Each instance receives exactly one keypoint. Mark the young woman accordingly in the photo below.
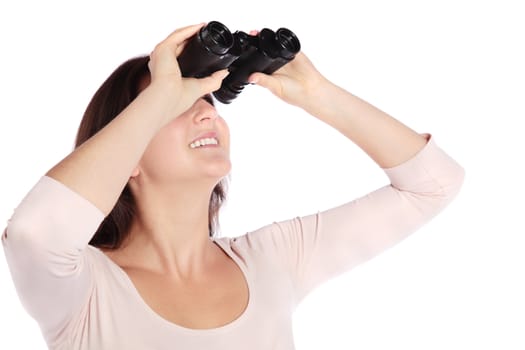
(114, 247)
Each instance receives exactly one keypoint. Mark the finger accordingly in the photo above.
(175, 42)
(180, 35)
(211, 83)
(266, 81)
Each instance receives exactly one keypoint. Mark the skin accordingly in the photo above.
(147, 145)
(172, 185)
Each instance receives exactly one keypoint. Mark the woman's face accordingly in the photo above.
(194, 146)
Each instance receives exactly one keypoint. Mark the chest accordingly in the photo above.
(119, 320)
(213, 301)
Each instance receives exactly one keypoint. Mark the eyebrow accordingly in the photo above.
(208, 99)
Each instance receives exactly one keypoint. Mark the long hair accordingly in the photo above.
(115, 94)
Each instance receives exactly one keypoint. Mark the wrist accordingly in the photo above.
(162, 100)
(320, 100)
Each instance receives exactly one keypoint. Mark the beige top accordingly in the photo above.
(82, 300)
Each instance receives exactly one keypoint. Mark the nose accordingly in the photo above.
(205, 112)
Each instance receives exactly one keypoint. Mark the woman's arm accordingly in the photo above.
(47, 235)
(386, 140)
(99, 169)
(424, 179)
(315, 248)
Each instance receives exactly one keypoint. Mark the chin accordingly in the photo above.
(220, 171)
(216, 170)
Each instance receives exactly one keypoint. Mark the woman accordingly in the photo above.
(114, 248)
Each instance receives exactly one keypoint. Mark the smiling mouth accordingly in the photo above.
(204, 142)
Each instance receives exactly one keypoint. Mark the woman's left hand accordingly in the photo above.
(297, 82)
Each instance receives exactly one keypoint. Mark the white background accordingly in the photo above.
(451, 68)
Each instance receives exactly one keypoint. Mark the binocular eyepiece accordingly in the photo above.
(214, 47)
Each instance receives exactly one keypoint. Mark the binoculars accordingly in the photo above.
(214, 48)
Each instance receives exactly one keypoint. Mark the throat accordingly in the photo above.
(209, 300)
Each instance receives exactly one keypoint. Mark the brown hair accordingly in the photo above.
(115, 94)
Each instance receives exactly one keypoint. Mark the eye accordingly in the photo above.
(208, 99)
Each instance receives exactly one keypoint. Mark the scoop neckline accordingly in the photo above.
(224, 244)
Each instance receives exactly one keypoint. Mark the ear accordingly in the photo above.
(135, 172)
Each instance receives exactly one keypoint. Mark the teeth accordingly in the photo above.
(206, 141)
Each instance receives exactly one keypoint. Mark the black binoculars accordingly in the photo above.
(214, 48)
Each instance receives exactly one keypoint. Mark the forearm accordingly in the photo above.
(99, 169)
(386, 140)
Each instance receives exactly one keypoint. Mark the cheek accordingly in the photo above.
(224, 131)
(164, 153)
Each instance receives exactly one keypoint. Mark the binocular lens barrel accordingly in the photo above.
(289, 43)
(215, 48)
(207, 51)
(216, 38)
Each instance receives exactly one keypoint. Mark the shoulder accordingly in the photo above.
(266, 240)
(103, 264)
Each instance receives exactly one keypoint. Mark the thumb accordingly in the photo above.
(213, 81)
(267, 81)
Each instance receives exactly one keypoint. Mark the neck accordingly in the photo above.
(169, 233)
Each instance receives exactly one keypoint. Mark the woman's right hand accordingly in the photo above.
(100, 168)
(166, 75)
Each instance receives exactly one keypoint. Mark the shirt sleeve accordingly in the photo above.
(43, 244)
(315, 248)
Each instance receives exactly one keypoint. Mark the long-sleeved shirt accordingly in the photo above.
(83, 300)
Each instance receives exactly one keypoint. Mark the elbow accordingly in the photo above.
(447, 189)
(29, 246)
(20, 234)
(453, 184)
(23, 252)
(436, 193)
